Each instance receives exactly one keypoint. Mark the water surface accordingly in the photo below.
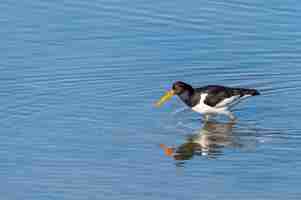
(78, 82)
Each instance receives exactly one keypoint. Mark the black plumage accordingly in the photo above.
(216, 93)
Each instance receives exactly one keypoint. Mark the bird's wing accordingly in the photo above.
(229, 102)
(217, 95)
(221, 96)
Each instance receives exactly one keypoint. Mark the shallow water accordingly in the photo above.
(78, 83)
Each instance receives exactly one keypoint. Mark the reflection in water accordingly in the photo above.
(210, 141)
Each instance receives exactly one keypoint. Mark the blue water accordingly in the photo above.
(79, 79)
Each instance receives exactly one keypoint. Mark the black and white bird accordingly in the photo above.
(209, 100)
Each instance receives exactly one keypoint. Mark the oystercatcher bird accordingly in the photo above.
(209, 100)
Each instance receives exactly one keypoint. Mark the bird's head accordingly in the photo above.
(178, 88)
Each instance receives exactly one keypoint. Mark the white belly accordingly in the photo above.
(221, 107)
(205, 109)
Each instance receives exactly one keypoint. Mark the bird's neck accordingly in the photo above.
(188, 97)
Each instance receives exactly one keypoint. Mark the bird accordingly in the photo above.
(209, 100)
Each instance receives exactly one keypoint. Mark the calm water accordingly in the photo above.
(78, 82)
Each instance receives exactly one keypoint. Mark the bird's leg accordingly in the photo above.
(231, 116)
(206, 117)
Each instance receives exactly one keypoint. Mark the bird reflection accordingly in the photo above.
(209, 141)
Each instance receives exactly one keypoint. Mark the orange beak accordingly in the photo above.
(165, 98)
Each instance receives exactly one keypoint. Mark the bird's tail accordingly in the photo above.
(243, 92)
